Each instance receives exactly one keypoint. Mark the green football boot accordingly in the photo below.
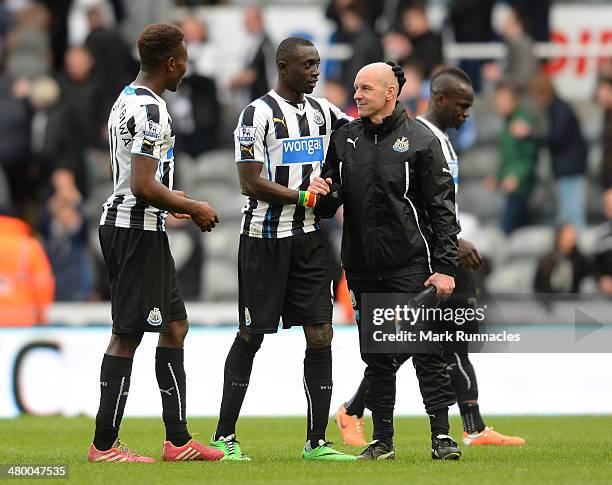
(324, 452)
(230, 447)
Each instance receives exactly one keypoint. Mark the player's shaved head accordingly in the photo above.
(288, 48)
(450, 80)
(452, 97)
(380, 73)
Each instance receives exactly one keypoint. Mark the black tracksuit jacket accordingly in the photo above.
(398, 195)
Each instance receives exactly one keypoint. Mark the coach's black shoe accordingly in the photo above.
(377, 450)
(443, 447)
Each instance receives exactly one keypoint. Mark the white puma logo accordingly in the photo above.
(446, 170)
(167, 391)
(354, 142)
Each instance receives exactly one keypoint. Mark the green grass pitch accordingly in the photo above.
(563, 449)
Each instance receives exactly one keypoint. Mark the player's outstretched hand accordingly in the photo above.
(204, 216)
(318, 186)
(469, 256)
(444, 284)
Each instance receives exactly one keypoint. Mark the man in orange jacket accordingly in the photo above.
(26, 280)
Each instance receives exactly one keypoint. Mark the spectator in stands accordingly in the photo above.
(201, 51)
(26, 281)
(603, 249)
(471, 20)
(415, 92)
(568, 152)
(519, 152)
(78, 97)
(58, 30)
(64, 230)
(604, 99)
(15, 122)
(6, 24)
(78, 91)
(562, 270)
(336, 94)
(415, 41)
(375, 10)
(113, 67)
(536, 15)
(365, 44)
(259, 72)
(28, 47)
(520, 64)
(55, 132)
(195, 107)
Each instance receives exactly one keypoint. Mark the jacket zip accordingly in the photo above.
(375, 222)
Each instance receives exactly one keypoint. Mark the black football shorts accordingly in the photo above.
(286, 277)
(144, 290)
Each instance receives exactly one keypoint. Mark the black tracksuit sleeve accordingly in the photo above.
(329, 204)
(438, 191)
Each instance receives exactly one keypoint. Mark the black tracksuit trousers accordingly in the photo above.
(434, 381)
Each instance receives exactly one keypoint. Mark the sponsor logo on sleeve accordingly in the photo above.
(152, 131)
(246, 135)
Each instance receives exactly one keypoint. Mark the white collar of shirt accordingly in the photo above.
(433, 127)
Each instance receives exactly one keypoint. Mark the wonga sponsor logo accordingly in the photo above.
(303, 150)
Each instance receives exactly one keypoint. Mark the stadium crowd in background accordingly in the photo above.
(63, 64)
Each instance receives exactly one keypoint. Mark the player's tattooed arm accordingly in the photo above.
(252, 184)
(145, 187)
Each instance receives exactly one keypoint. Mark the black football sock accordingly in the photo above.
(170, 372)
(356, 405)
(318, 388)
(114, 386)
(383, 426)
(472, 420)
(238, 366)
(438, 422)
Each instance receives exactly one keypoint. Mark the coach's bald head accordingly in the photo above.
(381, 73)
(376, 89)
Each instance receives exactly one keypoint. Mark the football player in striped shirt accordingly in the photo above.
(145, 293)
(452, 97)
(283, 266)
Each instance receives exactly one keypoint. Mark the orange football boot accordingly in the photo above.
(350, 427)
(119, 453)
(490, 437)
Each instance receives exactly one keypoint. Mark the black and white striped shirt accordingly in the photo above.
(449, 155)
(139, 124)
(447, 149)
(290, 140)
